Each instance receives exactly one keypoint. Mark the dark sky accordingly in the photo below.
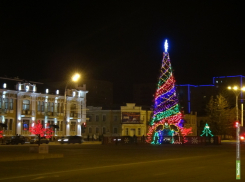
(122, 41)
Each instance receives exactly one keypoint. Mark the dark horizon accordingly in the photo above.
(121, 42)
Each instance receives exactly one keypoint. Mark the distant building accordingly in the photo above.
(195, 97)
(129, 120)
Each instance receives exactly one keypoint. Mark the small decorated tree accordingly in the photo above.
(38, 130)
(1, 133)
(206, 131)
(185, 132)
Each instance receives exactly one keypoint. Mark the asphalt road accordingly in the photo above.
(136, 163)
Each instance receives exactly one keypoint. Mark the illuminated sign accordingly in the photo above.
(131, 117)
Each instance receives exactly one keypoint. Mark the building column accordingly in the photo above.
(79, 129)
(68, 105)
(18, 112)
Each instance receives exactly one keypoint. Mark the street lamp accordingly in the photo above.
(237, 91)
(74, 78)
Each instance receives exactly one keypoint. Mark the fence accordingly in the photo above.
(188, 140)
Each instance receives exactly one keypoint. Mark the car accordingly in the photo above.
(71, 139)
(16, 140)
(42, 140)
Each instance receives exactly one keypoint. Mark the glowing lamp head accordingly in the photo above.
(235, 88)
(166, 45)
(75, 77)
(229, 88)
(242, 137)
(243, 89)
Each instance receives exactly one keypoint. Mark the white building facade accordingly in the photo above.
(22, 107)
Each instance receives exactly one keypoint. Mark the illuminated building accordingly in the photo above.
(24, 105)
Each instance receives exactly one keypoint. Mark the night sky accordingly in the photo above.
(122, 41)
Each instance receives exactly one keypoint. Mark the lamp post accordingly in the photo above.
(237, 91)
(74, 78)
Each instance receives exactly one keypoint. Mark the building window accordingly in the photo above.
(58, 107)
(6, 103)
(104, 118)
(97, 118)
(62, 107)
(6, 122)
(42, 107)
(58, 124)
(115, 130)
(90, 130)
(48, 106)
(26, 105)
(10, 124)
(61, 126)
(48, 124)
(26, 125)
(52, 107)
(139, 131)
(97, 130)
(115, 118)
(103, 130)
(126, 131)
(38, 106)
(89, 118)
(73, 126)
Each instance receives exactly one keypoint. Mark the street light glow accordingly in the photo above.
(229, 88)
(75, 77)
(235, 88)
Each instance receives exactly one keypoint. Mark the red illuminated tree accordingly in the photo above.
(1, 134)
(38, 130)
(185, 132)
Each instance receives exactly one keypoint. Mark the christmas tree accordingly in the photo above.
(167, 118)
(206, 131)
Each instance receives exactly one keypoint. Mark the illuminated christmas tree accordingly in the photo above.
(167, 118)
(206, 131)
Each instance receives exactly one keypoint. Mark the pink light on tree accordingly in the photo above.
(185, 132)
(37, 129)
(1, 134)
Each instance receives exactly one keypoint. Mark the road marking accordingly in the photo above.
(41, 177)
(37, 178)
(92, 168)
